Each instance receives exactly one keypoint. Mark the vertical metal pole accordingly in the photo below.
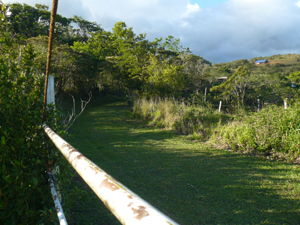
(205, 94)
(59, 210)
(51, 32)
(258, 105)
(220, 106)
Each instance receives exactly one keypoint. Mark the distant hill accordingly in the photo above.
(282, 64)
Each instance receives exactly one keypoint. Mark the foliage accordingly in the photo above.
(74, 71)
(22, 167)
(199, 121)
(24, 191)
(84, 28)
(165, 79)
(294, 77)
(185, 119)
(234, 89)
(26, 21)
(270, 131)
(130, 62)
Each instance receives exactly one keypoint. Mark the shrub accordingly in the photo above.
(273, 130)
(198, 120)
(24, 191)
(184, 118)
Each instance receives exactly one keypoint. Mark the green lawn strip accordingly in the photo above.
(189, 181)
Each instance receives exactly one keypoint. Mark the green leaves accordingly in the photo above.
(3, 141)
(294, 77)
(35, 181)
(132, 63)
(235, 87)
(21, 142)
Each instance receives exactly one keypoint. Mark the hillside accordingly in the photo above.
(284, 64)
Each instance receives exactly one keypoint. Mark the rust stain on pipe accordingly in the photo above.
(128, 207)
(141, 212)
(109, 185)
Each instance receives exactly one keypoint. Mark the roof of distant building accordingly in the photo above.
(263, 60)
(222, 78)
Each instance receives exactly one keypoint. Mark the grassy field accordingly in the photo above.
(190, 182)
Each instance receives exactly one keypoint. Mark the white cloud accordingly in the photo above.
(234, 30)
(192, 9)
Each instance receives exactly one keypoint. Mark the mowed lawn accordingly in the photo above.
(189, 181)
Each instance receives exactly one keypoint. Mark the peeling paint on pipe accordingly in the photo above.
(128, 207)
(59, 209)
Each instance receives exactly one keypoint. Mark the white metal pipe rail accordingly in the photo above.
(127, 206)
(58, 207)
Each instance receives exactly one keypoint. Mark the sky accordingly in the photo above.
(217, 30)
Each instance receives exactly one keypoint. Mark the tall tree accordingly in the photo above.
(234, 89)
(83, 28)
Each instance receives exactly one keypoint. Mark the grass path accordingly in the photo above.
(190, 182)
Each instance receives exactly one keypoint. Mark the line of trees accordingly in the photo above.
(86, 57)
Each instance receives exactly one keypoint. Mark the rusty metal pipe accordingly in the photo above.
(127, 206)
(51, 35)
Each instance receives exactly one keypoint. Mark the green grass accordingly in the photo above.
(189, 181)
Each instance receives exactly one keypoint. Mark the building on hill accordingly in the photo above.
(261, 61)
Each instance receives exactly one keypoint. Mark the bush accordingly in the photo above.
(24, 191)
(199, 120)
(273, 130)
(161, 112)
(184, 118)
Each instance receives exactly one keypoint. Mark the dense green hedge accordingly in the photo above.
(24, 192)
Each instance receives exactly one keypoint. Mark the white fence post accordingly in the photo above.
(285, 103)
(258, 105)
(50, 90)
(56, 194)
(220, 106)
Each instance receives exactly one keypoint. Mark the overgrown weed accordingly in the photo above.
(184, 118)
(271, 131)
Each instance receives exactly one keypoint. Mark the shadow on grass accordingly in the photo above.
(188, 181)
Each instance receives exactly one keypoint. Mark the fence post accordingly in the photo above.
(20, 55)
(220, 106)
(285, 103)
(51, 99)
(50, 90)
(258, 105)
